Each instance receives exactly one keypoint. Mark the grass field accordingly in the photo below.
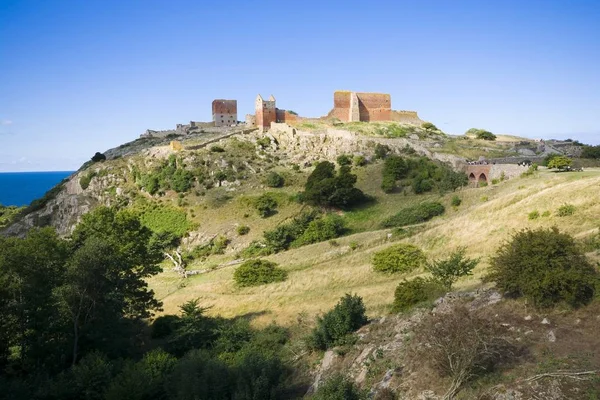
(321, 273)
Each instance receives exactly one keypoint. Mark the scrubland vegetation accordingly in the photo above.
(293, 261)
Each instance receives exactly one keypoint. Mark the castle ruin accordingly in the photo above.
(224, 112)
(368, 107)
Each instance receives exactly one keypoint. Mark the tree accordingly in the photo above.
(485, 135)
(560, 162)
(325, 188)
(347, 316)
(447, 271)
(428, 126)
(274, 180)
(266, 205)
(545, 266)
(344, 159)
(98, 157)
(591, 152)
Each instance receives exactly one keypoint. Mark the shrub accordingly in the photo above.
(332, 328)
(456, 201)
(533, 215)
(461, 345)
(344, 159)
(258, 272)
(388, 184)
(560, 162)
(482, 134)
(325, 188)
(451, 269)
(266, 205)
(360, 161)
(264, 142)
(339, 387)
(243, 230)
(418, 290)
(399, 258)
(495, 181)
(283, 235)
(217, 149)
(382, 150)
(428, 126)
(546, 214)
(86, 179)
(545, 266)
(274, 180)
(418, 213)
(322, 229)
(159, 219)
(98, 157)
(566, 210)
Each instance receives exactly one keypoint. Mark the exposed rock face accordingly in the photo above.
(65, 210)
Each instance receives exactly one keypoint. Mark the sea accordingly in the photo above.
(21, 188)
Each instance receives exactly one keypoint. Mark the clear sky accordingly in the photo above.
(78, 76)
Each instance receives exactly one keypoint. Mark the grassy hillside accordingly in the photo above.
(320, 273)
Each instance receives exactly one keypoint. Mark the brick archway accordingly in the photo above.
(482, 178)
(472, 177)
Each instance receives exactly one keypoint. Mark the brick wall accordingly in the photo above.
(224, 112)
(285, 116)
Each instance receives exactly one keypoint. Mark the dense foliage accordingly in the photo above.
(326, 188)
(416, 291)
(8, 214)
(546, 266)
(98, 157)
(339, 387)
(169, 175)
(274, 180)
(265, 205)
(560, 162)
(421, 174)
(401, 257)
(481, 134)
(73, 324)
(416, 214)
(258, 272)
(591, 152)
(308, 227)
(334, 327)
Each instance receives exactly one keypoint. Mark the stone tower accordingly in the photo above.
(266, 112)
(224, 112)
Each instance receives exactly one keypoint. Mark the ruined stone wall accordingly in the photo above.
(374, 106)
(250, 120)
(286, 116)
(367, 107)
(224, 112)
(406, 117)
(510, 171)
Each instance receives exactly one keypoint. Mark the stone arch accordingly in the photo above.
(472, 177)
(482, 178)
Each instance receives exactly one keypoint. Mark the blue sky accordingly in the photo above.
(78, 77)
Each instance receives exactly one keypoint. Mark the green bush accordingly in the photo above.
(98, 157)
(274, 180)
(399, 258)
(339, 387)
(243, 230)
(447, 271)
(428, 126)
(360, 161)
(344, 159)
(86, 179)
(560, 162)
(456, 201)
(326, 188)
(322, 229)
(266, 205)
(382, 150)
(545, 266)
(566, 210)
(418, 213)
(163, 326)
(264, 142)
(258, 272)
(495, 181)
(416, 291)
(217, 149)
(533, 215)
(546, 214)
(332, 328)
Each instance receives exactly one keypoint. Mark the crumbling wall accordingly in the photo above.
(406, 117)
(285, 116)
(374, 106)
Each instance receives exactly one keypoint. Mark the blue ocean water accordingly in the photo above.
(21, 188)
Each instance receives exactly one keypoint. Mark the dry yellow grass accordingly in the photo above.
(320, 274)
